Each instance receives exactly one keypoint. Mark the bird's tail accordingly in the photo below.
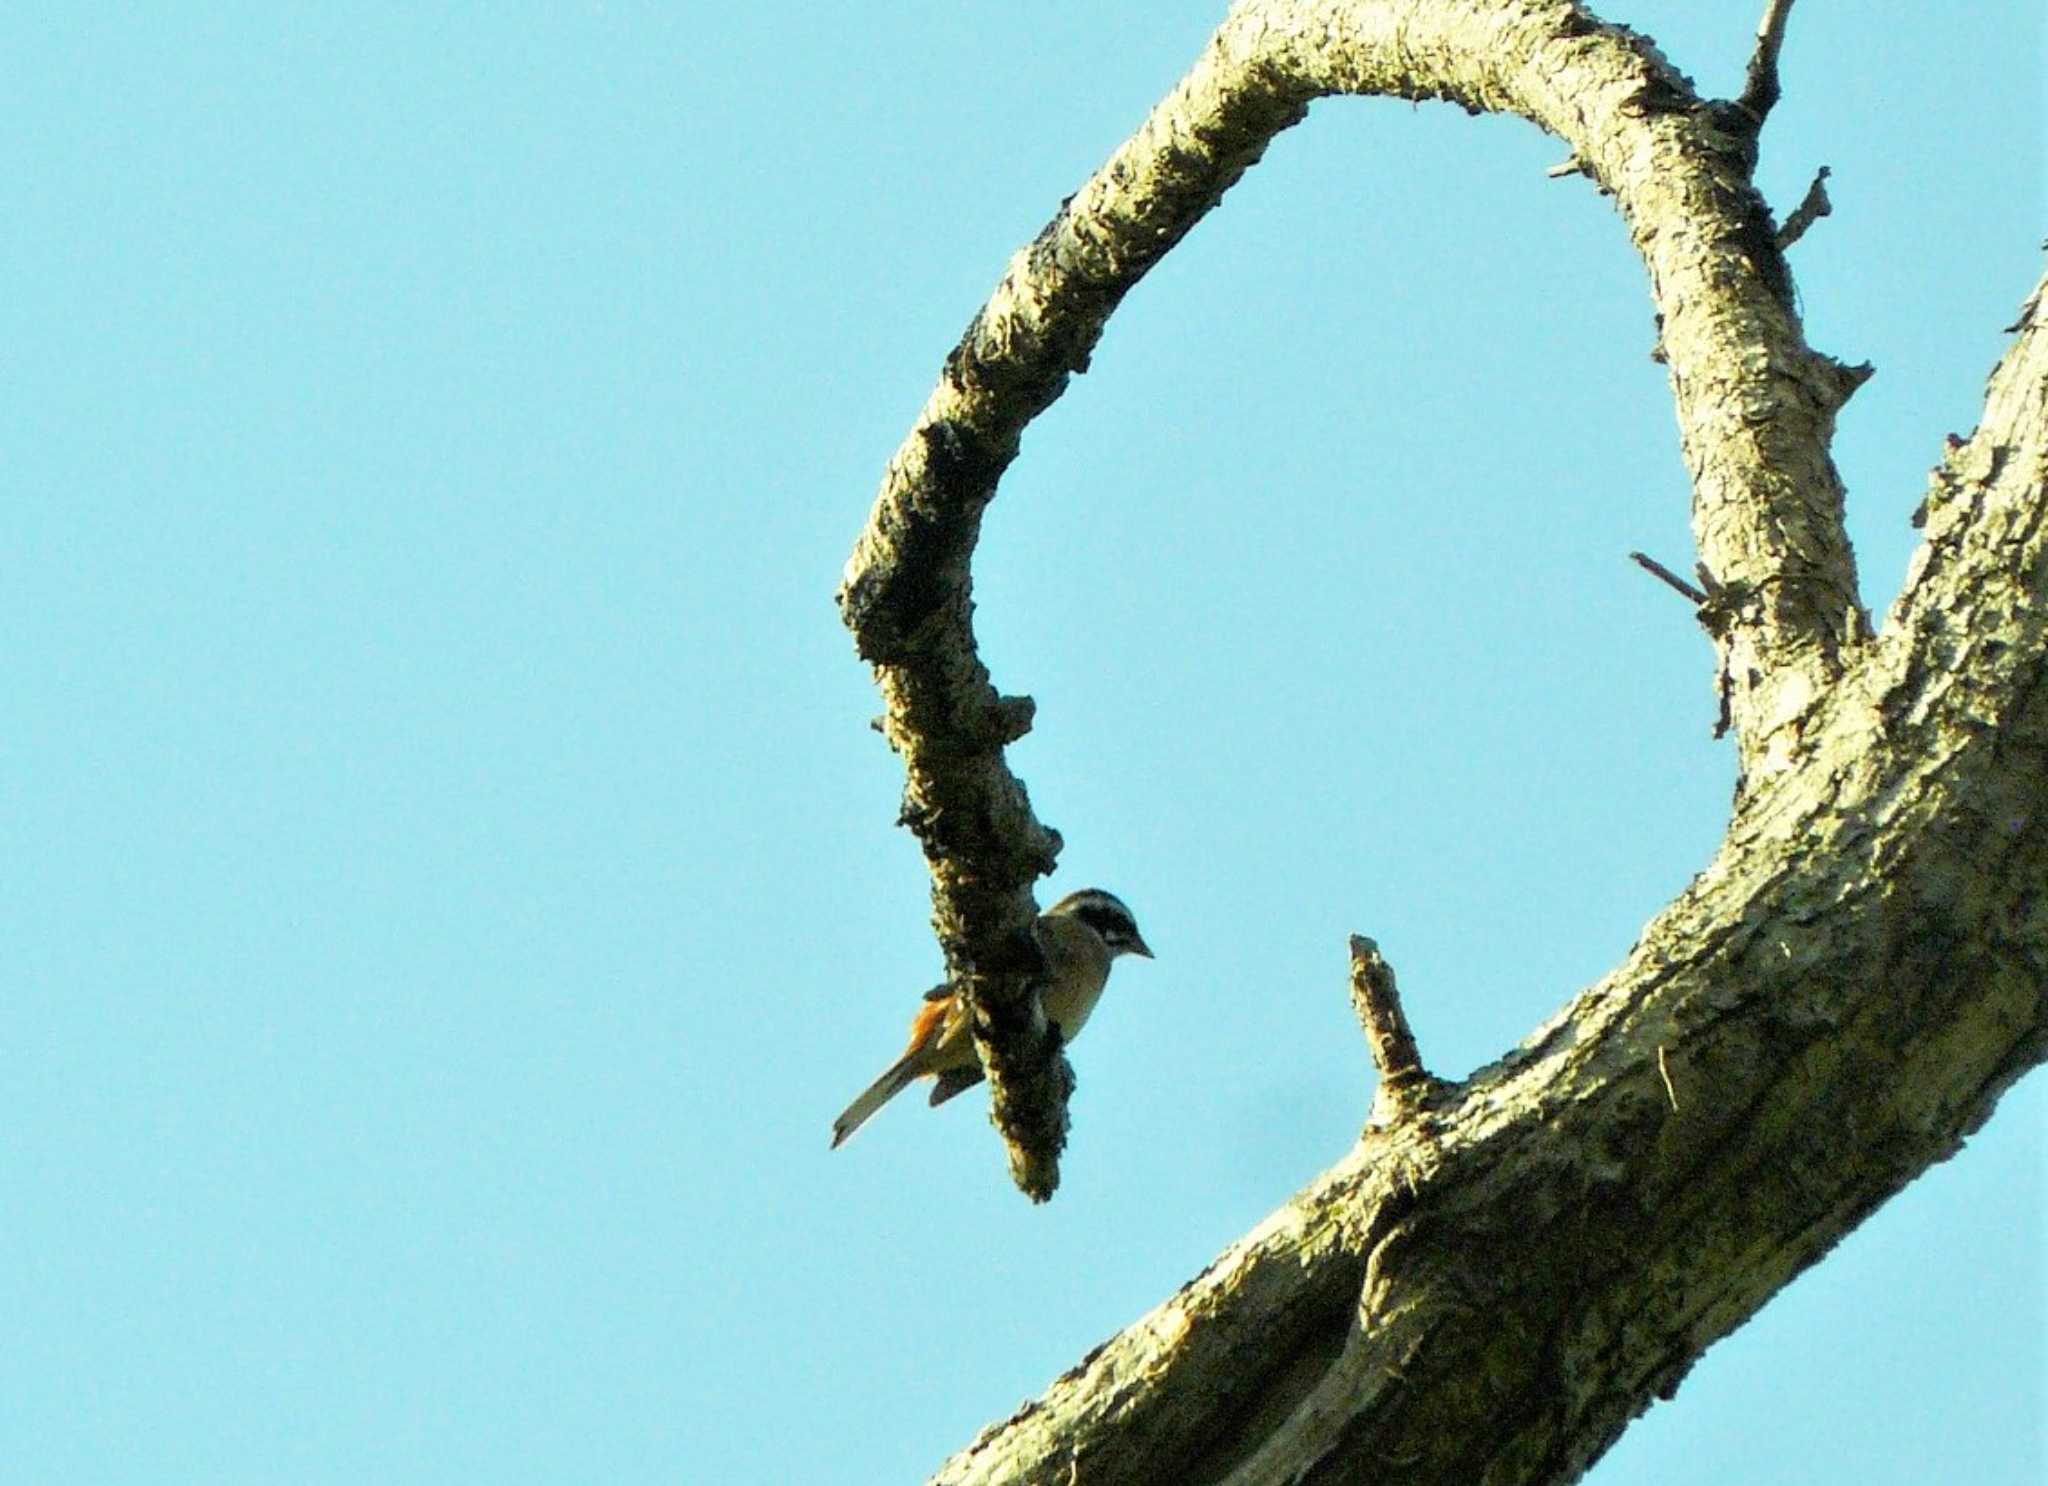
(899, 1077)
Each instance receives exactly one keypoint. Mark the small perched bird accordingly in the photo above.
(1079, 936)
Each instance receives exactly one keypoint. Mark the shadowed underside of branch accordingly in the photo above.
(1496, 1279)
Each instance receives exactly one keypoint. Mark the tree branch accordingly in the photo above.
(1492, 1289)
(1760, 90)
(1657, 569)
(907, 590)
(1812, 207)
(1377, 1000)
(1493, 1292)
(1756, 413)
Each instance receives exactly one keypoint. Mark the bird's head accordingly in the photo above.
(1106, 915)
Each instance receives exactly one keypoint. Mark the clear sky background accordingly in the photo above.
(449, 881)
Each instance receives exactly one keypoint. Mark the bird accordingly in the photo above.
(1079, 936)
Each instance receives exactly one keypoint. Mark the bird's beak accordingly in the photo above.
(1140, 947)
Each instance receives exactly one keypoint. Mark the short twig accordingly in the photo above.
(1811, 210)
(1650, 565)
(1570, 165)
(1377, 1001)
(1760, 90)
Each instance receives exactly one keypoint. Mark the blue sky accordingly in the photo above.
(451, 884)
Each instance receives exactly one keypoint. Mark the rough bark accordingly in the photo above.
(1500, 1276)
(1491, 1287)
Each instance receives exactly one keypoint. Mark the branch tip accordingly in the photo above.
(1810, 210)
(1010, 719)
(1377, 1000)
(1760, 89)
(1657, 569)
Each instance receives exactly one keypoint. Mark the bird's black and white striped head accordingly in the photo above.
(1107, 916)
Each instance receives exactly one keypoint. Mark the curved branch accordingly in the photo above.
(1492, 1288)
(1756, 413)
(907, 594)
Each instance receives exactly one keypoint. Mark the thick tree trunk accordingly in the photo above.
(1505, 1271)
